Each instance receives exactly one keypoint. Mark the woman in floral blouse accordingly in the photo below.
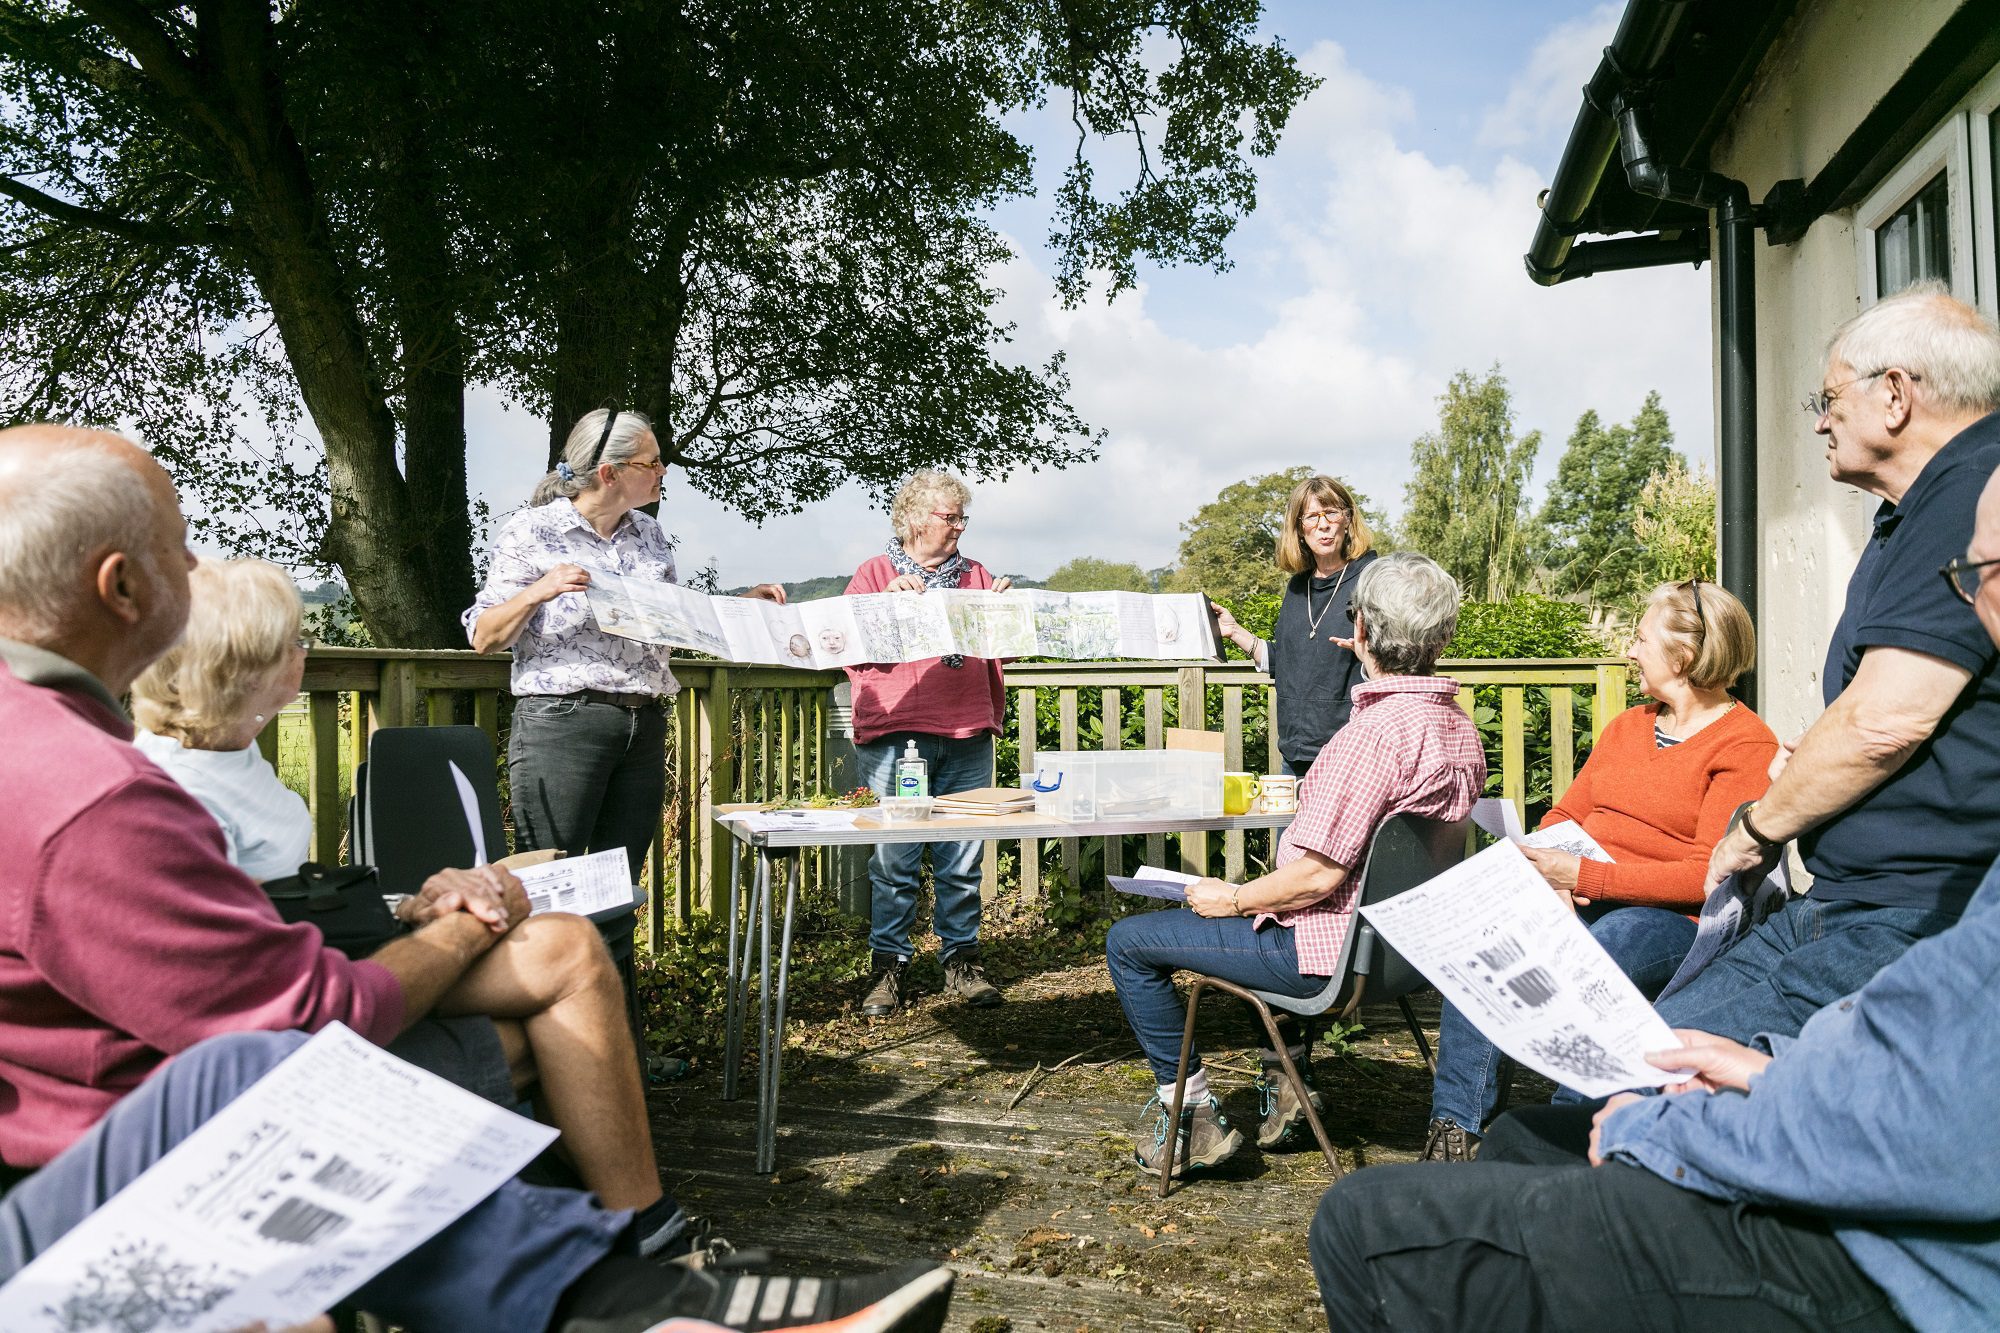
(587, 757)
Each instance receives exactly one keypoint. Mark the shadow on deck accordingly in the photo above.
(896, 1140)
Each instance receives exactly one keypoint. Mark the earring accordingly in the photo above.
(257, 717)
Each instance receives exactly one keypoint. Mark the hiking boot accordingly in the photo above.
(631, 1297)
(885, 992)
(1206, 1139)
(1447, 1142)
(965, 979)
(1284, 1114)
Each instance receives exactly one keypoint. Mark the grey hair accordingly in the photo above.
(912, 504)
(84, 500)
(1950, 348)
(579, 448)
(1409, 606)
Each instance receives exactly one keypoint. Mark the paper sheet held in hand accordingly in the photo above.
(331, 1167)
(1153, 882)
(1496, 942)
(580, 884)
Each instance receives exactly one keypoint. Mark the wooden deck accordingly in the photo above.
(896, 1140)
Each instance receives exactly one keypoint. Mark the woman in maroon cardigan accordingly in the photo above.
(952, 708)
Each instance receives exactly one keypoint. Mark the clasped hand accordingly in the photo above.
(1719, 1065)
(487, 893)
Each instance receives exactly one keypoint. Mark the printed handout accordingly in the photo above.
(907, 627)
(1496, 942)
(1499, 817)
(330, 1168)
(1154, 882)
(1732, 910)
(580, 884)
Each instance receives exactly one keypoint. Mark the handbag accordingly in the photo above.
(345, 902)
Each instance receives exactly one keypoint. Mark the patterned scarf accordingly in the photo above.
(944, 576)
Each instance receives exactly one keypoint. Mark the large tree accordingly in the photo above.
(1089, 574)
(283, 242)
(1466, 505)
(1673, 524)
(1588, 545)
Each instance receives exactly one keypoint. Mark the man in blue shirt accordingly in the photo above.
(1835, 1179)
(1894, 792)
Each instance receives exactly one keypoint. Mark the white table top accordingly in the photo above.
(870, 831)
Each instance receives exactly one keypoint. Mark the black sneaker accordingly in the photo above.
(965, 980)
(885, 991)
(910, 1299)
(1447, 1141)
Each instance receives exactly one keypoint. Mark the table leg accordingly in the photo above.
(764, 1070)
(767, 1150)
(732, 1013)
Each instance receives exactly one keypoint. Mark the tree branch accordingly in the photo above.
(144, 231)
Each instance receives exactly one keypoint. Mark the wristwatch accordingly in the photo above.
(1763, 843)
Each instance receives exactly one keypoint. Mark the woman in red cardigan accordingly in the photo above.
(1657, 793)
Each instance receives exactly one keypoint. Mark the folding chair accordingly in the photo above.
(414, 817)
(1406, 851)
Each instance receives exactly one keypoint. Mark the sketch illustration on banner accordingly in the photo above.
(907, 627)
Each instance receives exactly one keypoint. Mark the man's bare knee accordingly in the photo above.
(565, 952)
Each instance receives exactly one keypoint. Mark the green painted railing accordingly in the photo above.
(760, 733)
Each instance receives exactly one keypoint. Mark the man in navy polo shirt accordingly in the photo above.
(1894, 793)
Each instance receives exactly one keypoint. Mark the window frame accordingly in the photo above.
(1983, 145)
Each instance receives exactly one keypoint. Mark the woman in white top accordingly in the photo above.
(201, 706)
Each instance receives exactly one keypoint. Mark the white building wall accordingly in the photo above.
(1822, 76)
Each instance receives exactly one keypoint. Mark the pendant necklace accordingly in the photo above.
(1312, 625)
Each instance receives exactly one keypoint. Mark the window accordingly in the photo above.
(1915, 243)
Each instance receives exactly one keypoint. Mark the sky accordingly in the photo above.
(1384, 254)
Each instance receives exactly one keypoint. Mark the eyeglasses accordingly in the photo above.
(955, 520)
(1820, 402)
(1321, 518)
(1964, 577)
(653, 464)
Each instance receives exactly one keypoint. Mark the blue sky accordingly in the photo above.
(1384, 255)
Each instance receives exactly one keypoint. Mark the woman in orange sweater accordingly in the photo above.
(1657, 793)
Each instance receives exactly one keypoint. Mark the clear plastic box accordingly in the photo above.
(1087, 785)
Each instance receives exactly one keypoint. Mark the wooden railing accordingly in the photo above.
(760, 733)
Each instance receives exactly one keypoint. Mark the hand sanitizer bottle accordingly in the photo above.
(913, 775)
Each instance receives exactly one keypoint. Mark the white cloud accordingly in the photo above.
(1382, 272)
(1543, 99)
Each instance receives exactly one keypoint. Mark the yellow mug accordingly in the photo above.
(1239, 793)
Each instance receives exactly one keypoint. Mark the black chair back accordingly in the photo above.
(415, 818)
(1408, 850)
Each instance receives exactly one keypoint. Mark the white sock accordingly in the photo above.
(1197, 1090)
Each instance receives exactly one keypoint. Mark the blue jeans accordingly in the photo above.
(1802, 958)
(1647, 943)
(500, 1267)
(895, 869)
(1145, 951)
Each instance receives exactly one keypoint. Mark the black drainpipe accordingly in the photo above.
(1735, 226)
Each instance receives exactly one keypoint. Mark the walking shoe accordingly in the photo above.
(1447, 1142)
(1284, 1114)
(965, 979)
(625, 1295)
(1206, 1139)
(885, 992)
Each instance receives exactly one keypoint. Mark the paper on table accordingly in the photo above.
(580, 884)
(1497, 816)
(331, 1167)
(1497, 943)
(773, 821)
(1568, 836)
(1732, 909)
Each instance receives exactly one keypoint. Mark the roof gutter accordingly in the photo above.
(1637, 53)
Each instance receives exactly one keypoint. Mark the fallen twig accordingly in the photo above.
(1029, 1081)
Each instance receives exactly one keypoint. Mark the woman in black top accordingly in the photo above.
(1324, 547)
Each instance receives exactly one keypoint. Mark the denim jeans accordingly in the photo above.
(1647, 943)
(586, 776)
(1802, 958)
(895, 869)
(1145, 951)
(502, 1266)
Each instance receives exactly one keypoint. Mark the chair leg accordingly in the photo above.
(1180, 1086)
(1417, 1031)
(1298, 1083)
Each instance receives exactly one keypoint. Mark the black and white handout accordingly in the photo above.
(1154, 882)
(1497, 942)
(1732, 910)
(906, 627)
(330, 1168)
(1498, 817)
(579, 884)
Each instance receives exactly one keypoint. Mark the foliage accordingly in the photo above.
(683, 986)
(1466, 505)
(1085, 574)
(1588, 545)
(766, 225)
(1674, 525)
(1229, 548)
(1528, 626)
